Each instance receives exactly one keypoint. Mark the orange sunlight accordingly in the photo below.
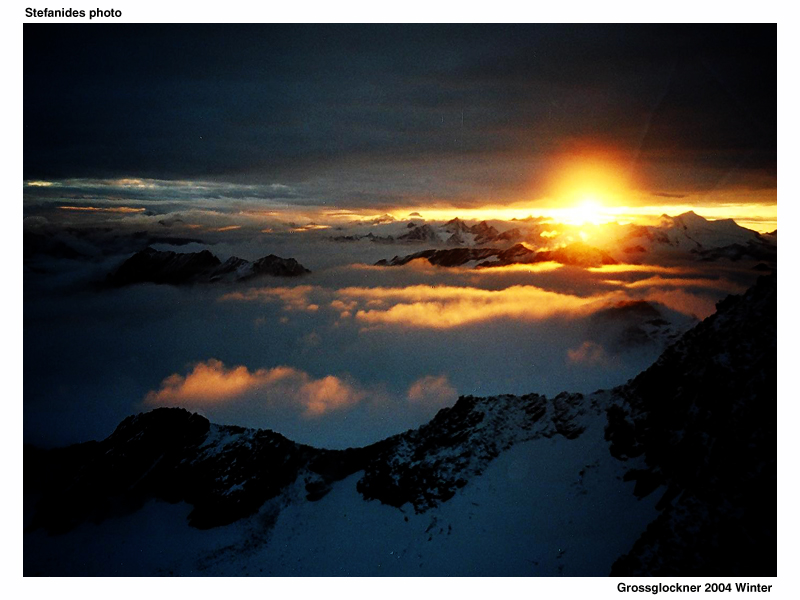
(445, 307)
(104, 209)
(753, 215)
(212, 383)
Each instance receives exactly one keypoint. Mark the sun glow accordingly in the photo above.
(589, 210)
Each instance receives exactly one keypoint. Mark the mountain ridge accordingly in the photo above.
(698, 425)
(174, 268)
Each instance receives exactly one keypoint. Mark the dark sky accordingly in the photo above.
(376, 112)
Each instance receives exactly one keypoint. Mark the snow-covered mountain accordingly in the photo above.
(673, 473)
(692, 230)
(686, 236)
(452, 233)
(176, 268)
(693, 234)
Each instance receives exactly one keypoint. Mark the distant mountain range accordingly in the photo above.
(687, 235)
(452, 233)
(672, 474)
(175, 268)
(709, 240)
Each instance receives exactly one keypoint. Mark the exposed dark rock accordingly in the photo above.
(174, 268)
(164, 267)
(420, 233)
(704, 416)
(630, 325)
(518, 253)
(443, 258)
(456, 226)
(426, 466)
(225, 472)
(484, 233)
(754, 250)
(577, 254)
(512, 235)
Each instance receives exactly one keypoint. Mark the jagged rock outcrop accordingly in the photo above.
(228, 472)
(454, 257)
(753, 250)
(420, 233)
(704, 417)
(426, 466)
(225, 472)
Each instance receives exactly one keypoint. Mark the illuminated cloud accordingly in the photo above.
(451, 306)
(432, 391)
(39, 183)
(662, 282)
(293, 298)
(588, 353)
(421, 265)
(684, 302)
(329, 393)
(444, 307)
(211, 383)
(678, 294)
(309, 227)
(628, 268)
(104, 209)
(540, 267)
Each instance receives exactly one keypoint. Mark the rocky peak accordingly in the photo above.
(154, 266)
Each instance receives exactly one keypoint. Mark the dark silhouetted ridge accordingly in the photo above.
(154, 266)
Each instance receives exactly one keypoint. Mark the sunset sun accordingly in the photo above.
(588, 210)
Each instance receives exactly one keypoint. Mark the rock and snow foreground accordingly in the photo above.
(673, 473)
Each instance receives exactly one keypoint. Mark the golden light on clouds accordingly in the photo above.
(211, 383)
(589, 353)
(423, 266)
(451, 306)
(435, 391)
(638, 208)
(104, 209)
(628, 268)
(293, 298)
(425, 306)
(444, 307)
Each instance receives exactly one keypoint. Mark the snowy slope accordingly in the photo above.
(539, 509)
(672, 473)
